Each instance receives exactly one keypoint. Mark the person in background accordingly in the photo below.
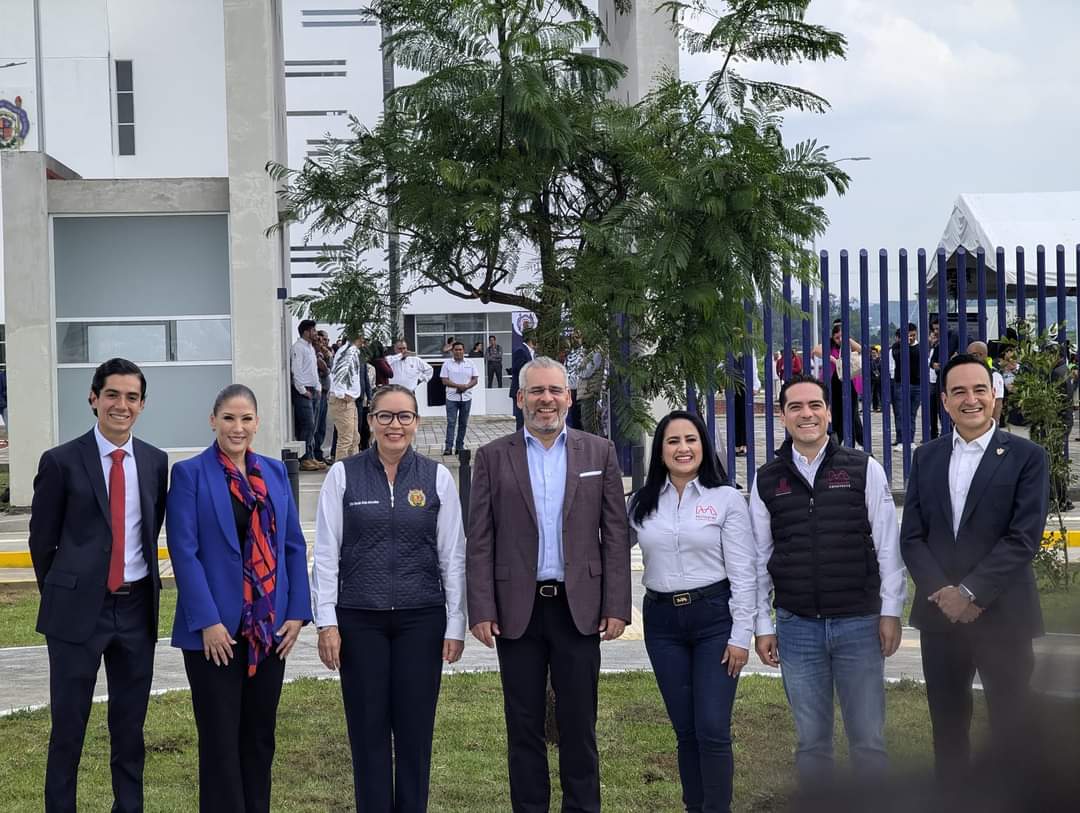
(388, 578)
(459, 376)
(493, 360)
(324, 358)
(306, 392)
(980, 351)
(448, 347)
(836, 383)
(875, 377)
(240, 562)
(700, 599)
(378, 358)
(477, 351)
(574, 361)
(522, 356)
(939, 356)
(409, 370)
(905, 410)
(348, 386)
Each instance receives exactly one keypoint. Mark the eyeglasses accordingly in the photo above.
(556, 392)
(385, 417)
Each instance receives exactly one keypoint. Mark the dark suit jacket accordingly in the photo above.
(206, 554)
(503, 540)
(71, 533)
(521, 357)
(1000, 533)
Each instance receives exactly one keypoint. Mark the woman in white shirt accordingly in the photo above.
(700, 598)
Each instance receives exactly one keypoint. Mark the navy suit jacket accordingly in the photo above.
(71, 533)
(521, 357)
(207, 555)
(1000, 532)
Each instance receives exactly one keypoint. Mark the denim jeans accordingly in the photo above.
(321, 408)
(913, 402)
(818, 655)
(457, 414)
(685, 646)
(304, 422)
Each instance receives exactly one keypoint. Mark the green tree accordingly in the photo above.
(351, 296)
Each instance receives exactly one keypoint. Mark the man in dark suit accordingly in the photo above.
(99, 502)
(974, 517)
(548, 566)
(522, 356)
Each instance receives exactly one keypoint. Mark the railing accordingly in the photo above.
(964, 314)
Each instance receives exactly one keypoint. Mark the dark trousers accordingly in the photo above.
(685, 646)
(836, 406)
(573, 415)
(1005, 664)
(320, 405)
(519, 417)
(391, 669)
(935, 409)
(304, 422)
(124, 637)
(551, 642)
(902, 406)
(362, 424)
(235, 716)
(740, 418)
(494, 373)
(875, 393)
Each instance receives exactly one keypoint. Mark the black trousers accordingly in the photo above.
(551, 641)
(235, 716)
(391, 669)
(124, 637)
(494, 373)
(935, 409)
(1005, 664)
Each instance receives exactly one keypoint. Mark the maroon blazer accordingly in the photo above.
(504, 541)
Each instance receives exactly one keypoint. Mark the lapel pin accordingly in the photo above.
(1000, 450)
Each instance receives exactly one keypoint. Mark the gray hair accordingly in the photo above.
(544, 363)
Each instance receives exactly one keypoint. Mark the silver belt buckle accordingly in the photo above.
(681, 599)
(124, 589)
(549, 590)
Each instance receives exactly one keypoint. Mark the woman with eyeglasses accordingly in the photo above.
(700, 599)
(388, 580)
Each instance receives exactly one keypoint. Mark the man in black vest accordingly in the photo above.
(828, 544)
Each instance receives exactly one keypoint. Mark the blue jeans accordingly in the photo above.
(913, 402)
(816, 656)
(457, 414)
(304, 422)
(685, 646)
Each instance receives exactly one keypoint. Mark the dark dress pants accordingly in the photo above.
(391, 669)
(124, 636)
(1005, 664)
(551, 641)
(235, 716)
(304, 422)
(686, 645)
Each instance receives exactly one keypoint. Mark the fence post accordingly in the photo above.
(961, 299)
(980, 274)
(1062, 293)
(1040, 288)
(944, 423)
(748, 394)
(1021, 285)
(928, 402)
(770, 366)
(868, 384)
(845, 353)
(787, 327)
(807, 343)
(886, 358)
(292, 470)
(907, 424)
(1002, 291)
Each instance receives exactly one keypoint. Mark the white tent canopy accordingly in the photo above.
(1009, 220)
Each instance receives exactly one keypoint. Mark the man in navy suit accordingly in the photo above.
(973, 521)
(99, 502)
(522, 356)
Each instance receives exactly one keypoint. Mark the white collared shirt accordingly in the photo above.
(458, 372)
(884, 527)
(450, 544)
(410, 372)
(305, 370)
(135, 566)
(698, 540)
(346, 371)
(963, 462)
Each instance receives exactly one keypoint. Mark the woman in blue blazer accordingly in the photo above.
(240, 562)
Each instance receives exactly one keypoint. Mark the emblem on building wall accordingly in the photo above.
(14, 124)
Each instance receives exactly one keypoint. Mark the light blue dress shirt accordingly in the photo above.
(547, 475)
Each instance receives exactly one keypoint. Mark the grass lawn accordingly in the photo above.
(312, 770)
(18, 615)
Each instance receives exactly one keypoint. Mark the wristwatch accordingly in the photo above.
(966, 593)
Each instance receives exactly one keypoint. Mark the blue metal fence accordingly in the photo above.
(958, 298)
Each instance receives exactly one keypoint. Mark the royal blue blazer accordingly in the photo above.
(207, 555)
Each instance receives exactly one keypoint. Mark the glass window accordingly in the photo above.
(123, 76)
(499, 322)
(125, 108)
(431, 323)
(125, 134)
(141, 341)
(203, 340)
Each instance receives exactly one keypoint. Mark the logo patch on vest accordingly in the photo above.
(417, 498)
(783, 488)
(354, 503)
(838, 478)
(705, 513)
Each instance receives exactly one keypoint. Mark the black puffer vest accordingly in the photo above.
(823, 563)
(389, 551)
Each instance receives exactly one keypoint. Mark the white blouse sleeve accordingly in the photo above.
(451, 546)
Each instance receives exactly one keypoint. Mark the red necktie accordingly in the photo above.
(117, 514)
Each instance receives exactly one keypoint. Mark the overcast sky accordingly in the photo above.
(944, 97)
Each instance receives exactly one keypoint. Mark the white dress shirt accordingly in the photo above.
(450, 537)
(998, 384)
(963, 462)
(880, 511)
(305, 370)
(135, 566)
(410, 372)
(458, 372)
(698, 540)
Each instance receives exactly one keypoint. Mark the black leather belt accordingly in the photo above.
(689, 596)
(549, 589)
(127, 588)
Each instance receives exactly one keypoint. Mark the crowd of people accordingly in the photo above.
(811, 574)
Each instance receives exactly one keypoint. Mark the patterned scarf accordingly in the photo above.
(260, 559)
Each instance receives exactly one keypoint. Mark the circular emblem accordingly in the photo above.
(523, 320)
(417, 498)
(14, 124)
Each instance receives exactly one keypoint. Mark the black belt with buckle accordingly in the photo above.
(127, 588)
(685, 597)
(549, 589)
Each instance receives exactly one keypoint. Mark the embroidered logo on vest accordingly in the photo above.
(417, 498)
(783, 488)
(838, 478)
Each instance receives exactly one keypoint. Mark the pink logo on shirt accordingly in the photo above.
(838, 478)
(705, 513)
